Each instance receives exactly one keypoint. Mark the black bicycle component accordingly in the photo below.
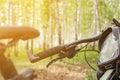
(69, 52)
(87, 60)
(51, 62)
(109, 49)
(109, 58)
(116, 22)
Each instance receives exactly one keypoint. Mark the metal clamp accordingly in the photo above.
(108, 66)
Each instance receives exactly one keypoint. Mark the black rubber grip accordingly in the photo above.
(50, 52)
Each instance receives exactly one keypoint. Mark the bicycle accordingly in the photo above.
(109, 55)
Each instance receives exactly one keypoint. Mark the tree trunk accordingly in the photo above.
(64, 23)
(50, 24)
(76, 21)
(33, 24)
(96, 17)
(80, 20)
(96, 20)
(58, 24)
(105, 13)
(44, 41)
(9, 5)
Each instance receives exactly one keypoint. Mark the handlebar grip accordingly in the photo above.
(49, 52)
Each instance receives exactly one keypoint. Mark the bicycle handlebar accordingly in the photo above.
(58, 49)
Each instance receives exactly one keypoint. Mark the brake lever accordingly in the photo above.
(58, 58)
(116, 22)
(51, 62)
(72, 50)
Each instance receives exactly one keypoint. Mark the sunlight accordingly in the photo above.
(50, 23)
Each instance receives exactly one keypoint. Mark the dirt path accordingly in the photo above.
(62, 71)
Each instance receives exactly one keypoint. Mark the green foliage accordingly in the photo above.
(91, 74)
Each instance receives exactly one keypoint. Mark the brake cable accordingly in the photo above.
(54, 60)
(87, 59)
(61, 57)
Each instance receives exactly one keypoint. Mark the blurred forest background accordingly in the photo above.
(59, 21)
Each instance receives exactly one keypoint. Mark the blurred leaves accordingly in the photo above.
(20, 12)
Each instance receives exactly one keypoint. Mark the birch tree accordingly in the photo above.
(58, 24)
(76, 21)
(96, 17)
